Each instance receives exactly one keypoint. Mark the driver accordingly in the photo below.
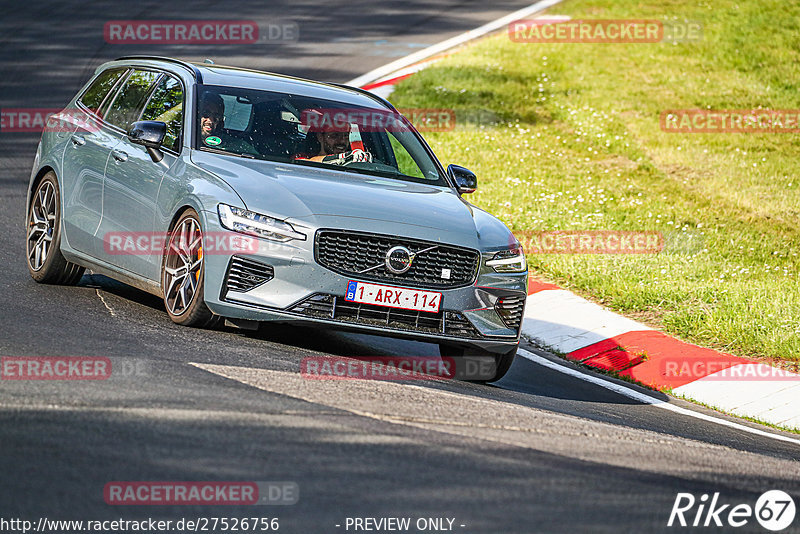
(336, 148)
(212, 131)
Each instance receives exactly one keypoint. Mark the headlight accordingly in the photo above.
(248, 222)
(509, 261)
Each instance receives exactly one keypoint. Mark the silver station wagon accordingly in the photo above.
(246, 196)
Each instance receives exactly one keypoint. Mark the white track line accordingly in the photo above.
(647, 399)
(438, 48)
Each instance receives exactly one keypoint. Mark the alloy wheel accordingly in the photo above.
(41, 225)
(183, 265)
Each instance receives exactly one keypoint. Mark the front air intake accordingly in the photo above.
(510, 310)
(245, 274)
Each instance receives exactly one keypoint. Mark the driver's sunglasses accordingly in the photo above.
(211, 115)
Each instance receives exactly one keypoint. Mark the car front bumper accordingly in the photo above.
(301, 291)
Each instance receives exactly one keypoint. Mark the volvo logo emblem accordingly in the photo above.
(399, 260)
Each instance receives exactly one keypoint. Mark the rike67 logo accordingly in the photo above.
(774, 510)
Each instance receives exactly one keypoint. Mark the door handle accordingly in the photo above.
(119, 155)
(78, 140)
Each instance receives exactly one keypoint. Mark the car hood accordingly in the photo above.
(318, 197)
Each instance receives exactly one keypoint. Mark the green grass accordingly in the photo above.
(567, 137)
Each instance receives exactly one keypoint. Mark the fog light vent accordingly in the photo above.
(510, 310)
(245, 274)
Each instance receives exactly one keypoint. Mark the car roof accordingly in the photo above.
(224, 75)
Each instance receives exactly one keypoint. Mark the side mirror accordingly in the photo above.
(149, 134)
(465, 179)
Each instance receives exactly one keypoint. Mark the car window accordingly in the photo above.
(405, 162)
(166, 105)
(237, 112)
(131, 97)
(94, 95)
(103, 111)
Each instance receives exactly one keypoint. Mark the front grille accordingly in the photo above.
(510, 310)
(245, 274)
(352, 253)
(446, 322)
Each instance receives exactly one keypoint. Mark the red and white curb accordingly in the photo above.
(594, 336)
(389, 74)
(587, 333)
(384, 86)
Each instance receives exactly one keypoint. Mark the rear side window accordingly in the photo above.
(96, 93)
(166, 105)
(131, 98)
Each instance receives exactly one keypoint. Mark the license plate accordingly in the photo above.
(393, 297)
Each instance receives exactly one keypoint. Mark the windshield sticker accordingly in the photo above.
(213, 140)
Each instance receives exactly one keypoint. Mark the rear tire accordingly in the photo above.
(183, 274)
(45, 262)
(502, 362)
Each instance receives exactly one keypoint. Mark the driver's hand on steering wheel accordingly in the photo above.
(346, 158)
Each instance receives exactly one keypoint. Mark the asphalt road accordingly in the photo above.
(539, 451)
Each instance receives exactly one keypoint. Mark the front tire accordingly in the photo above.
(469, 360)
(45, 262)
(183, 274)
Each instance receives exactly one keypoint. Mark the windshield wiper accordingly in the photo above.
(219, 151)
(347, 168)
(374, 173)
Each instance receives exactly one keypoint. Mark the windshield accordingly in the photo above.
(309, 131)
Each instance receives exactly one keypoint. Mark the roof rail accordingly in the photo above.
(195, 71)
(199, 77)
